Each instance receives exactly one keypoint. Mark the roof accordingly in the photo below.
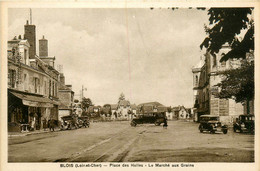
(133, 106)
(113, 106)
(34, 98)
(178, 108)
(124, 103)
(151, 103)
(64, 87)
(162, 109)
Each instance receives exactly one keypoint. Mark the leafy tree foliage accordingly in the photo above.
(86, 102)
(238, 83)
(227, 24)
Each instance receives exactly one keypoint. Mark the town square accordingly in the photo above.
(153, 85)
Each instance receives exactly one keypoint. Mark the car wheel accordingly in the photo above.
(200, 128)
(133, 124)
(225, 131)
(156, 124)
(212, 130)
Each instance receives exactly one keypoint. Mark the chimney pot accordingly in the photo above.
(27, 22)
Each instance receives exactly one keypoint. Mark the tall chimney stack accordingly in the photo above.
(30, 35)
(43, 47)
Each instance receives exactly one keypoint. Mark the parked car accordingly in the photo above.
(69, 122)
(149, 118)
(244, 123)
(83, 121)
(212, 124)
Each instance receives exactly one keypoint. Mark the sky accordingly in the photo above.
(146, 54)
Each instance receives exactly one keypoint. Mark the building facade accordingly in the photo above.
(66, 98)
(206, 76)
(32, 85)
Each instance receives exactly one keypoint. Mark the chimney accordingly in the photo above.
(43, 47)
(30, 36)
(62, 78)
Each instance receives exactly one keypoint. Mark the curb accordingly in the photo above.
(29, 133)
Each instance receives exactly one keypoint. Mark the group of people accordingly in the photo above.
(46, 124)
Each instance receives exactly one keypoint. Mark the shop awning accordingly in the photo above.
(33, 100)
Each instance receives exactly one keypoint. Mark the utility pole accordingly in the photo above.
(82, 93)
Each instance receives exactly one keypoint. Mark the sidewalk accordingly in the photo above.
(15, 134)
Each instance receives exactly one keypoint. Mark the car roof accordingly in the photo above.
(247, 115)
(209, 116)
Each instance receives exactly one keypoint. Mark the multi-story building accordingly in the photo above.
(32, 84)
(66, 98)
(206, 76)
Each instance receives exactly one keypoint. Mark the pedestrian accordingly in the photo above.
(33, 124)
(165, 125)
(44, 124)
(52, 125)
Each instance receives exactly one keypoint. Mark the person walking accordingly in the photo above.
(165, 125)
(44, 124)
(52, 125)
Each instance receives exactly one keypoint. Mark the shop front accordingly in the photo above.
(27, 111)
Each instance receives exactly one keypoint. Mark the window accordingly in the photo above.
(25, 82)
(25, 56)
(196, 80)
(214, 60)
(45, 88)
(53, 88)
(50, 88)
(36, 84)
(11, 78)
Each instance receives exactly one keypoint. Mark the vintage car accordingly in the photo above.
(212, 124)
(149, 118)
(83, 121)
(69, 122)
(244, 123)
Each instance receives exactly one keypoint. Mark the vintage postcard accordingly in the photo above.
(129, 85)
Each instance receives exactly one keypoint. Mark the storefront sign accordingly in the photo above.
(30, 103)
(45, 105)
(36, 104)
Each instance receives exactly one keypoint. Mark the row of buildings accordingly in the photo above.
(124, 110)
(36, 89)
(206, 76)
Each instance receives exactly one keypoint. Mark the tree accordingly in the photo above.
(121, 97)
(238, 83)
(227, 24)
(86, 102)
